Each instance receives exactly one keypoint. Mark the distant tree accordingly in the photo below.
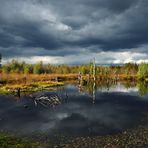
(106, 71)
(0, 58)
(0, 63)
(91, 67)
(130, 68)
(21, 67)
(143, 70)
(5, 69)
(27, 69)
(84, 69)
(38, 68)
(14, 66)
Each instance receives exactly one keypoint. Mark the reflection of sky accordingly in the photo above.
(120, 88)
(112, 112)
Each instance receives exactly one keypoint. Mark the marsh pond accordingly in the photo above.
(76, 111)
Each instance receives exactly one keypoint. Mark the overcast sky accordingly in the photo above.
(74, 31)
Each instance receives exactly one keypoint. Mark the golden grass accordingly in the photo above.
(30, 82)
(27, 78)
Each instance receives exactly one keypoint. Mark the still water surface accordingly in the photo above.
(81, 113)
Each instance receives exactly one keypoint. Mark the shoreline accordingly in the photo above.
(128, 138)
(12, 83)
(23, 78)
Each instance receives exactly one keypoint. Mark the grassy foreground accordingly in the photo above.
(133, 138)
(7, 141)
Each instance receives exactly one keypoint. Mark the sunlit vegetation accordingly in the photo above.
(143, 71)
(28, 87)
(33, 77)
(19, 76)
(0, 59)
(39, 68)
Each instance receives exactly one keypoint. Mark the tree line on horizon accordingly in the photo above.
(15, 66)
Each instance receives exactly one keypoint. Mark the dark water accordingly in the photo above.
(86, 113)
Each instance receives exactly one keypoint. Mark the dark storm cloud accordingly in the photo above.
(65, 27)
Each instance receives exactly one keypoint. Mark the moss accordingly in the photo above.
(4, 91)
(30, 87)
(8, 141)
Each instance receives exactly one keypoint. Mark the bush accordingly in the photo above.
(38, 68)
(143, 71)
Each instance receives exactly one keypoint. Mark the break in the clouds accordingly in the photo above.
(74, 31)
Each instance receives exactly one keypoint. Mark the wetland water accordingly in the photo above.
(82, 112)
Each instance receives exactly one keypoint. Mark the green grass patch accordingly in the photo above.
(30, 87)
(8, 141)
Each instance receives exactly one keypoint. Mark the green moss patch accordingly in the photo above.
(31, 87)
